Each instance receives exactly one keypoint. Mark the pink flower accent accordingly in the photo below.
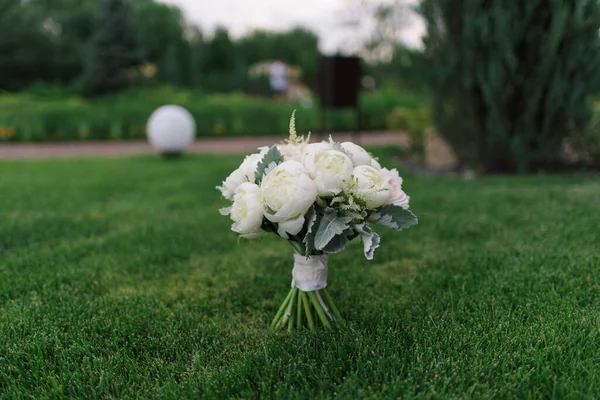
(397, 195)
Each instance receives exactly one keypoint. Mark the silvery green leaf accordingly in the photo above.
(273, 156)
(394, 217)
(339, 242)
(272, 165)
(336, 145)
(312, 224)
(330, 226)
(370, 239)
(225, 210)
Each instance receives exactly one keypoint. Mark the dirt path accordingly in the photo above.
(18, 151)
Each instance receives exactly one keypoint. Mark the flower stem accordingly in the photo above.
(283, 306)
(316, 305)
(324, 307)
(307, 310)
(290, 322)
(334, 309)
(296, 246)
(319, 309)
(299, 311)
(288, 311)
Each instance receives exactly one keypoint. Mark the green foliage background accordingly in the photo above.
(47, 41)
(511, 80)
(114, 50)
(46, 117)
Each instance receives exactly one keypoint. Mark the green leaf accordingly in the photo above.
(313, 218)
(330, 226)
(225, 210)
(339, 242)
(268, 226)
(370, 239)
(394, 217)
(272, 156)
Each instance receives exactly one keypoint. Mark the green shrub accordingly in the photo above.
(587, 142)
(511, 79)
(124, 116)
(414, 122)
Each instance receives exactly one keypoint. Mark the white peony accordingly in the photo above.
(397, 195)
(372, 188)
(232, 182)
(288, 193)
(247, 210)
(245, 173)
(329, 169)
(357, 154)
(375, 164)
(318, 147)
(249, 166)
(291, 152)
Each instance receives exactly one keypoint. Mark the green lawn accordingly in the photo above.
(119, 279)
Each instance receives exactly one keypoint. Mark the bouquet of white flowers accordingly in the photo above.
(318, 196)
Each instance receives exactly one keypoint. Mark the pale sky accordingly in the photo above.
(324, 17)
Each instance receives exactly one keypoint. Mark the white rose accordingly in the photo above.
(372, 188)
(245, 173)
(291, 152)
(247, 210)
(397, 195)
(357, 154)
(288, 193)
(329, 169)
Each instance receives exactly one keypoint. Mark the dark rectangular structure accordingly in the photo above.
(339, 79)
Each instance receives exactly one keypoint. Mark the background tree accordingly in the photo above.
(24, 45)
(114, 50)
(511, 79)
(300, 47)
(219, 66)
(161, 31)
(67, 38)
(376, 29)
(69, 25)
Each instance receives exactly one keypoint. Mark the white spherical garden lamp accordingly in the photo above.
(171, 129)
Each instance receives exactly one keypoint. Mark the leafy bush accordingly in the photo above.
(124, 116)
(511, 79)
(586, 143)
(414, 122)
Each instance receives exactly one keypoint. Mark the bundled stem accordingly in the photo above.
(301, 309)
(298, 308)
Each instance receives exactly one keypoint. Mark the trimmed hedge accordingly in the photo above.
(30, 118)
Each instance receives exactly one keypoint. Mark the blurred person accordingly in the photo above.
(279, 76)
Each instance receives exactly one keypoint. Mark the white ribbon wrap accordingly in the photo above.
(309, 273)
